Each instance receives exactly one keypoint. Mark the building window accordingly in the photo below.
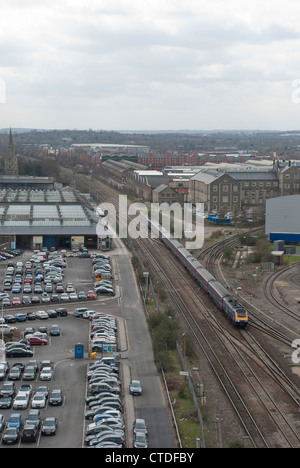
(224, 199)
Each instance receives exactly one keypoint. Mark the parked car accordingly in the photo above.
(135, 387)
(14, 373)
(56, 398)
(11, 435)
(8, 390)
(29, 373)
(38, 401)
(42, 315)
(16, 302)
(33, 418)
(49, 426)
(15, 420)
(21, 401)
(55, 330)
(36, 340)
(29, 433)
(18, 352)
(140, 426)
(46, 373)
(91, 295)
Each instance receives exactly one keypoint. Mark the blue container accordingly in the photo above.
(79, 351)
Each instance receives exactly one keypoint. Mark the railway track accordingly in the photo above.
(271, 296)
(269, 420)
(243, 357)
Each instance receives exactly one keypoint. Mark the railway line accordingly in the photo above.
(247, 368)
(252, 381)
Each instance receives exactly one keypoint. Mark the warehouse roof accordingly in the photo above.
(47, 212)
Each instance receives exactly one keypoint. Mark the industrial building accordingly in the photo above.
(32, 219)
(282, 219)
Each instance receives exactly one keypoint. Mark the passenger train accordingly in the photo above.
(234, 311)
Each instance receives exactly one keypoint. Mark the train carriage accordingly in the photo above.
(193, 266)
(174, 246)
(204, 278)
(184, 255)
(217, 292)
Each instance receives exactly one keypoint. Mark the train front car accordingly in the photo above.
(236, 312)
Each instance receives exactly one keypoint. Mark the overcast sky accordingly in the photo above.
(150, 64)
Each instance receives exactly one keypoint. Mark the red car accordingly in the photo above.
(16, 301)
(91, 295)
(35, 340)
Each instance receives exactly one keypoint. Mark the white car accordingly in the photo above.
(73, 297)
(70, 288)
(41, 314)
(65, 297)
(21, 401)
(38, 401)
(46, 373)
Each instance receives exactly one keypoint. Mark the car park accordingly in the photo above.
(115, 419)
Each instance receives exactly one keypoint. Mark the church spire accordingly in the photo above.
(11, 162)
(11, 143)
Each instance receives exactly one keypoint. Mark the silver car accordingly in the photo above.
(140, 440)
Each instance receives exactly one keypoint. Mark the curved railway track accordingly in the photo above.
(246, 378)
